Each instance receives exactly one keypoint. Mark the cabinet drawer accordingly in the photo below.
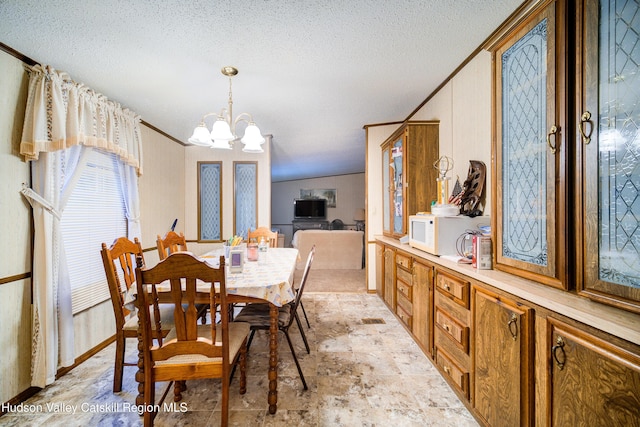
(458, 332)
(403, 275)
(405, 289)
(458, 375)
(403, 260)
(403, 302)
(453, 287)
(451, 308)
(404, 316)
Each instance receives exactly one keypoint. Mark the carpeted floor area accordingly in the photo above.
(334, 280)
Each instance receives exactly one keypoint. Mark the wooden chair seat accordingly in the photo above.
(237, 335)
(259, 313)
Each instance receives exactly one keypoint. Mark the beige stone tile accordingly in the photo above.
(358, 375)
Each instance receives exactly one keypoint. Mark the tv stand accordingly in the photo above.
(310, 224)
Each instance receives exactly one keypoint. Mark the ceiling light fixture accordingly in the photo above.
(223, 132)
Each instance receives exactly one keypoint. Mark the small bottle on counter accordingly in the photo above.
(262, 250)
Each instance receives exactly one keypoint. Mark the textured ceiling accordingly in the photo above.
(312, 73)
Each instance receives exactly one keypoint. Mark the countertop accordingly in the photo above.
(623, 324)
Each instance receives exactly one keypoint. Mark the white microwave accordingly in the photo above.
(438, 235)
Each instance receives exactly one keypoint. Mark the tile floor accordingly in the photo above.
(358, 375)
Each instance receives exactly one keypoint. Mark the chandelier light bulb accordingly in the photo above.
(200, 136)
(252, 135)
(221, 131)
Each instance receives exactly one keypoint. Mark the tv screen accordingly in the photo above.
(310, 208)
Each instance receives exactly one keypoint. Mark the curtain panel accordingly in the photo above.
(61, 113)
(63, 121)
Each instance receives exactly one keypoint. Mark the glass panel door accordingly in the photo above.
(609, 138)
(245, 175)
(209, 201)
(524, 128)
(619, 143)
(530, 154)
(386, 211)
(397, 186)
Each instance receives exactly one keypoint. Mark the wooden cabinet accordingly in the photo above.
(530, 210)
(452, 320)
(592, 381)
(380, 270)
(539, 147)
(389, 270)
(509, 348)
(422, 300)
(409, 179)
(608, 184)
(503, 360)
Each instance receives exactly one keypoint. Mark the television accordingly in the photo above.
(309, 208)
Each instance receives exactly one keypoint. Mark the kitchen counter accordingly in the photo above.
(623, 324)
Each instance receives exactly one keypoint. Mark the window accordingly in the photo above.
(95, 213)
(210, 201)
(245, 204)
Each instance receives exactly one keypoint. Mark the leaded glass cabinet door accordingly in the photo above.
(397, 173)
(608, 139)
(209, 201)
(386, 192)
(245, 175)
(530, 222)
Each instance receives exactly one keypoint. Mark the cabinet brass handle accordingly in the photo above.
(447, 369)
(446, 327)
(552, 131)
(585, 119)
(446, 287)
(512, 324)
(554, 350)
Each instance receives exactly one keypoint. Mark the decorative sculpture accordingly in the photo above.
(471, 203)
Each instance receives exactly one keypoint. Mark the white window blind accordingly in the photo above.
(95, 213)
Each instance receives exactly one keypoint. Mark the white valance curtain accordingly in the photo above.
(63, 120)
(62, 113)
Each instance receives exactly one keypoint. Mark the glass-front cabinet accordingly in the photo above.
(409, 178)
(607, 119)
(530, 149)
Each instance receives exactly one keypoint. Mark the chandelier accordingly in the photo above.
(223, 132)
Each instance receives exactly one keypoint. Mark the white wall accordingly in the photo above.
(194, 154)
(15, 228)
(350, 195)
(463, 107)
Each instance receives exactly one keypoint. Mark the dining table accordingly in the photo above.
(269, 279)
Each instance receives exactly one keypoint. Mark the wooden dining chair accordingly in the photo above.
(172, 242)
(119, 266)
(259, 317)
(270, 237)
(189, 351)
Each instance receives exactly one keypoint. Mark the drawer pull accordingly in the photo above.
(447, 287)
(446, 327)
(553, 131)
(513, 326)
(585, 119)
(447, 370)
(554, 350)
